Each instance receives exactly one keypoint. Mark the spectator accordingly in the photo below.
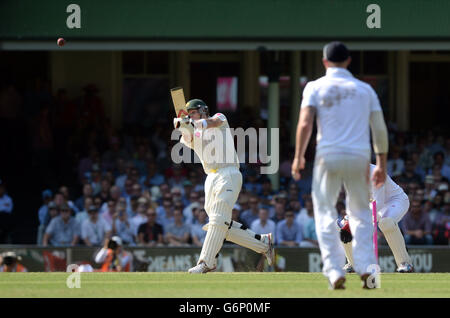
(281, 198)
(447, 152)
(132, 206)
(288, 231)
(244, 202)
(124, 175)
(437, 174)
(309, 232)
(430, 190)
(95, 229)
(279, 212)
(63, 230)
(85, 165)
(263, 224)
(236, 214)
(435, 210)
(53, 212)
(150, 233)
(165, 213)
(141, 215)
(98, 203)
(113, 153)
(411, 190)
(295, 206)
(164, 189)
(417, 226)
(441, 226)
(96, 179)
(153, 177)
(425, 158)
(177, 178)
(409, 175)
(250, 215)
(293, 192)
(177, 233)
(141, 155)
(395, 164)
(87, 192)
(42, 213)
(104, 191)
(188, 187)
(6, 207)
(121, 226)
(197, 233)
(108, 214)
(177, 195)
(188, 210)
(136, 190)
(252, 185)
(114, 193)
(266, 192)
(305, 214)
(439, 162)
(84, 214)
(415, 155)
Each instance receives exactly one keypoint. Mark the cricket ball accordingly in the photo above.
(61, 42)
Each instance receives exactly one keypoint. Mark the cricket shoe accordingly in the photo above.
(369, 281)
(338, 284)
(201, 269)
(405, 268)
(348, 268)
(270, 254)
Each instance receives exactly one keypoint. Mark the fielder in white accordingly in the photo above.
(211, 139)
(392, 204)
(345, 108)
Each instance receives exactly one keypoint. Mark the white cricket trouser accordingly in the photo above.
(330, 173)
(395, 207)
(221, 192)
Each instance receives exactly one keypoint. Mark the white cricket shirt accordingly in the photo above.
(214, 146)
(343, 106)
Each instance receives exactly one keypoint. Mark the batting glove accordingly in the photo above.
(200, 124)
(176, 123)
(345, 233)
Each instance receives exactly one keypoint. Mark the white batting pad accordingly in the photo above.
(395, 240)
(212, 244)
(349, 252)
(245, 238)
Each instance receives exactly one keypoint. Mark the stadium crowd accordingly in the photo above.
(126, 185)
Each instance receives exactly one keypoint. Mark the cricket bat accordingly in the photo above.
(179, 102)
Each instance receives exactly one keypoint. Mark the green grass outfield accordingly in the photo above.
(211, 285)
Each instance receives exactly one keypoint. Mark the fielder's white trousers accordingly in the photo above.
(329, 174)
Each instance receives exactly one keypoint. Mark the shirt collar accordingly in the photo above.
(338, 72)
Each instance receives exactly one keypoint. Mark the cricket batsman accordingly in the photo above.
(211, 139)
(392, 204)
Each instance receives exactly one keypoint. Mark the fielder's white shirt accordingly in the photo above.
(343, 105)
(388, 190)
(214, 146)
